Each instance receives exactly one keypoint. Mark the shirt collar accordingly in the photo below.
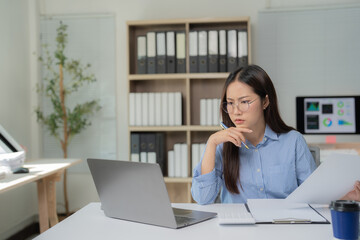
(269, 133)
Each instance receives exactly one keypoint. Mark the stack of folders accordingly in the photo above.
(148, 147)
(197, 150)
(161, 52)
(210, 112)
(218, 50)
(178, 161)
(155, 109)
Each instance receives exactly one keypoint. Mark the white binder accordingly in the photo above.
(158, 109)
(151, 109)
(203, 112)
(132, 109)
(195, 156)
(184, 160)
(171, 164)
(178, 109)
(164, 109)
(209, 112)
(171, 107)
(138, 109)
(177, 152)
(145, 108)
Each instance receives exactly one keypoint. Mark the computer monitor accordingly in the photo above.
(7, 143)
(328, 114)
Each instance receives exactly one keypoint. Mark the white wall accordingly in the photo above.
(17, 206)
(18, 70)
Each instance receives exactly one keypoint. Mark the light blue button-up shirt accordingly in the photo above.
(272, 169)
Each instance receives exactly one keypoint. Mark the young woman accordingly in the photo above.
(258, 155)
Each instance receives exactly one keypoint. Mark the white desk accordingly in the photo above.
(91, 223)
(45, 172)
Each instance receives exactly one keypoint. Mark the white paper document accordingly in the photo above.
(282, 211)
(330, 181)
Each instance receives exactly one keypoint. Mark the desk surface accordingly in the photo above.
(38, 169)
(91, 223)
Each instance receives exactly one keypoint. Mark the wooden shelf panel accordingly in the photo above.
(177, 76)
(188, 21)
(177, 180)
(175, 128)
(167, 76)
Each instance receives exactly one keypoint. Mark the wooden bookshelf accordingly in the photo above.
(193, 87)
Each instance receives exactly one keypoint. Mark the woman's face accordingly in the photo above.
(239, 93)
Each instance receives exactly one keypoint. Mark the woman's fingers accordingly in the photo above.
(237, 134)
(232, 134)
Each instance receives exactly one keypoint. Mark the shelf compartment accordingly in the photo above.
(200, 89)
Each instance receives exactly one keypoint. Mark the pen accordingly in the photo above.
(225, 127)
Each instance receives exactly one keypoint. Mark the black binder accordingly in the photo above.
(160, 152)
(180, 52)
(222, 51)
(203, 51)
(151, 148)
(151, 52)
(242, 49)
(135, 148)
(160, 52)
(170, 52)
(143, 147)
(213, 51)
(193, 51)
(231, 50)
(141, 55)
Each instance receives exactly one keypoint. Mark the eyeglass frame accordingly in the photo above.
(225, 106)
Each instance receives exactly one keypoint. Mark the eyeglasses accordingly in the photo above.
(243, 106)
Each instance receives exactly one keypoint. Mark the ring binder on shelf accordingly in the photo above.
(242, 49)
(151, 52)
(160, 52)
(231, 50)
(180, 52)
(193, 51)
(170, 52)
(213, 51)
(203, 53)
(141, 55)
(222, 51)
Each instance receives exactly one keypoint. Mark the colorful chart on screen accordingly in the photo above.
(319, 115)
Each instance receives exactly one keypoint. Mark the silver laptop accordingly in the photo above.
(136, 192)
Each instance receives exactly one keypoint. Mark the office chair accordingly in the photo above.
(315, 152)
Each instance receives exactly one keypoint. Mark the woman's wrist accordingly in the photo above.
(212, 141)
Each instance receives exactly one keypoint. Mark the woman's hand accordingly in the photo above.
(354, 194)
(232, 134)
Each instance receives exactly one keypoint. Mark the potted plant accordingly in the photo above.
(64, 122)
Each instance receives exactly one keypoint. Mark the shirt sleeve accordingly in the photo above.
(305, 164)
(205, 187)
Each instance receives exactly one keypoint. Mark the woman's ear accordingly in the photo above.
(266, 102)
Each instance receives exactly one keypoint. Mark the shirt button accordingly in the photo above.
(256, 150)
(258, 170)
(261, 189)
(264, 138)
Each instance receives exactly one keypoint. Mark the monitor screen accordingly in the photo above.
(7, 143)
(328, 115)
